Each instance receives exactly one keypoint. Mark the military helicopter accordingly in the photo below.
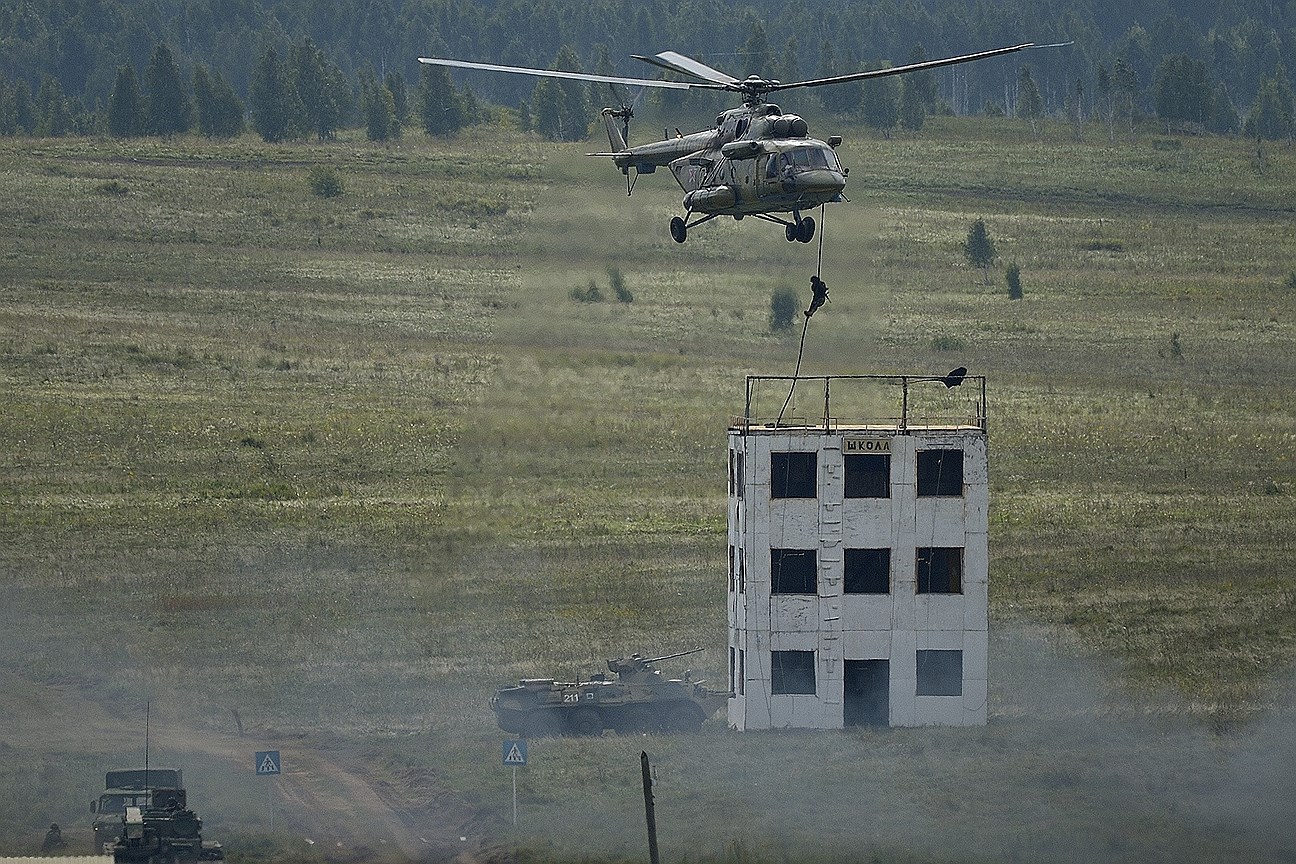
(757, 161)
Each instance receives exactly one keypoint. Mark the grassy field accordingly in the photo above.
(346, 465)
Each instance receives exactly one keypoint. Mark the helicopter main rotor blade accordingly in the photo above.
(912, 67)
(677, 62)
(555, 73)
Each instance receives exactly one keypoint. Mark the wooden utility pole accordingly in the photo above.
(648, 809)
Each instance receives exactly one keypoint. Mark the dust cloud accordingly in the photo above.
(1069, 769)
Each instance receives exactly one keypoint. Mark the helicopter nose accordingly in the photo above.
(820, 181)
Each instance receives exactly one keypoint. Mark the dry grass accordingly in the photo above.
(346, 465)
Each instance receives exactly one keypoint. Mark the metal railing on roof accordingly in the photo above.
(898, 402)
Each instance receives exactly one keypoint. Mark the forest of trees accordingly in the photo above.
(295, 69)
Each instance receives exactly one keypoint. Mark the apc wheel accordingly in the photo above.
(790, 232)
(585, 722)
(805, 230)
(683, 718)
(679, 230)
(543, 724)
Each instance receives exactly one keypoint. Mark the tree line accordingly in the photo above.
(301, 95)
(290, 68)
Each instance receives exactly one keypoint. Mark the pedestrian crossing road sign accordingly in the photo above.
(267, 762)
(515, 753)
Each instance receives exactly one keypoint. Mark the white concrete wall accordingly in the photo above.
(840, 627)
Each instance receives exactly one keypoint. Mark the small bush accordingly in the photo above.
(1103, 246)
(784, 306)
(948, 343)
(325, 182)
(589, 294)
(617, 281)
(1013, 278)
(1290, 284)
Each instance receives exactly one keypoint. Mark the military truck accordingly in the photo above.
(165, 831)
(124, 788)
(637, 700)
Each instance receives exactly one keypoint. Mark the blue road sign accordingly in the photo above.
(515, 753)
(267, 762)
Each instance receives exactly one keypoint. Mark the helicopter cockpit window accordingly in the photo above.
(800, 159)
(811, 157)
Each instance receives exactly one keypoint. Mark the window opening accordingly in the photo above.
(793, 475)
(792, 673)
(868, 571)
(793, 571)
(742, 672)
(940, 570)
(940, 472)
(940, 673)
(868, 475)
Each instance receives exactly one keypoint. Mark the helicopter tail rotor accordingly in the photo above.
(623, 111)
(617, 121)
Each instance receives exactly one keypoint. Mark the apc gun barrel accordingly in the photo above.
(672, 656)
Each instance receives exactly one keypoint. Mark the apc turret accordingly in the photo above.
(639, 700)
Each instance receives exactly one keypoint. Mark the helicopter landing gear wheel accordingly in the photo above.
(790, 232)
(805, 230)
(679, 230)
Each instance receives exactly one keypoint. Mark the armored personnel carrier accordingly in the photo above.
(164, 832)
(637, 699)
(129, 787)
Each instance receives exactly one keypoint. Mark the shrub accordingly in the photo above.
(784, 306)
(1013, 278)
(1290, 284)
(589, 294)
(325, 181)
(948, 343)
(619, 288)
(979, 249)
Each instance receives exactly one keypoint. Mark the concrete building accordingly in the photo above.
(858, 557)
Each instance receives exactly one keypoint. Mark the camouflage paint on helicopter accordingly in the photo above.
(757, 161)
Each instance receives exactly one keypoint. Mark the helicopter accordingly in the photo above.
(757, 161)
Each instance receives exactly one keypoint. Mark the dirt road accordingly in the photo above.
(333, 793)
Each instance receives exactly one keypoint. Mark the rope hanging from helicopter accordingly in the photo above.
(819, 296)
